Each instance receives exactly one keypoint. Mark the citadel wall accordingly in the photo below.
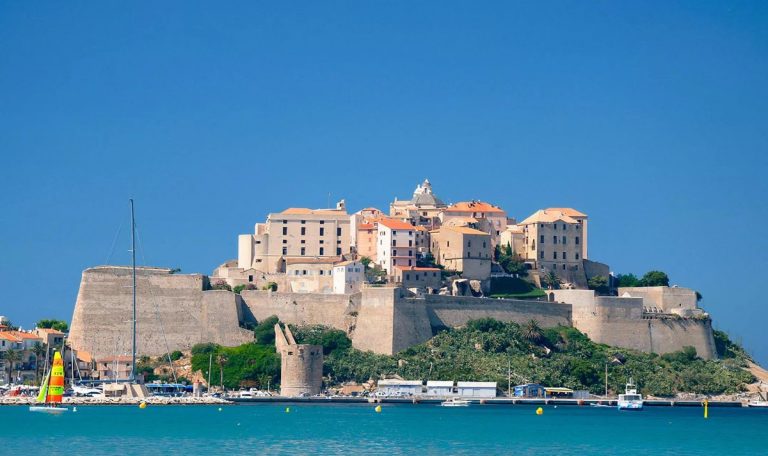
(173, 313)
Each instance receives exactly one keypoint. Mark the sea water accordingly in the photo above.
(397, 429)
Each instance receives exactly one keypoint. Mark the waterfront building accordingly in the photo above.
(25, 367)
(397, 387)
(113, 367)
(482, 390)
(396, 244)
(439, 388)
(529, 390)
(460, 248)
(295, 233)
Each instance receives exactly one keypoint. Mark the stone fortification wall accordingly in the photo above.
(620, 321)
(174, 304)
(334, 310)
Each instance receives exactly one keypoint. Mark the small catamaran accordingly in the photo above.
(52, 389)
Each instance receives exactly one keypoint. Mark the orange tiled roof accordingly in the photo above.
(50, 331)
(365, 226)
(474, 206)
(415, 268)
(307, 211)
(8, 336)
(394, 224)
(23, 335)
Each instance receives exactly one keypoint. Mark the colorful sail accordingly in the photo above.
(43, 388)
(56, 382)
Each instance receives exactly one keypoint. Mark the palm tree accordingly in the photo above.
(221, 360)
(39, 350)
(532, 331)
(551, 280)
(11, 356)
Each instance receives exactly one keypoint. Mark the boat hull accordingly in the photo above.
(45, 409)
(630, 406)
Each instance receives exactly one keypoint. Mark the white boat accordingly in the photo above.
(455, 402)
(757, 404)
(631, 399)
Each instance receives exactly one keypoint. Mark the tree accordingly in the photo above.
(551, 280)
(427, 261)
(532, 331)
(40, 351)
(238, 288)
(627, 280)
(599, 284)
(508, 250)
(366, 261)
(654, 279)
(11, 357)
(221, 360)
(58, 325)
(270, 286)
(221, 285)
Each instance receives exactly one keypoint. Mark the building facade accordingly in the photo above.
(486, 217)
(463, 249)
(554, 242)
(416, 277)
(348, 277)
(396, 244)
(295, 233)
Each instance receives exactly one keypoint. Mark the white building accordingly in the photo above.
(483, 390)
(440, 388)
(395, 387)
(348, 277)
(396, 244)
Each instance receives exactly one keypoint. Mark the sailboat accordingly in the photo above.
(52, 388)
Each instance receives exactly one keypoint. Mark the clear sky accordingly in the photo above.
(648, 116)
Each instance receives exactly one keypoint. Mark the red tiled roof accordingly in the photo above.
(394, 224)
(474, 206)
(414, 268)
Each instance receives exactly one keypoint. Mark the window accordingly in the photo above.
(303, 241)
(250, 278)
(322, 222)
(284, 221)
(577, 240)
(285, 230)
(303, 222)
(322, 242)
(563, 267)
(409, 263)
(576, 268)
(338, 251)
(304, 272)
(394, 242)
(410, 243)
(483, 244)
(407, 277)
(554, 255)
(321, 271)
(563, 239)
(554, 239)
(338, 231)
(322, 251)
(541, 254)
(394, 253)
(577, 256)
(285, 250)
(394, 233)
(447, 243)
(554, 226)
(410, 233)
(410, 253)
(541, 241)
(394, 261)
(434, 274)
(303, 250)
(564, 255)
(303, 230)
(322, 231)
(469, 243)
(565, 226)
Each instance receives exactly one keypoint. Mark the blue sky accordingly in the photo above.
(650, 117)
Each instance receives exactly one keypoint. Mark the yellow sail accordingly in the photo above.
(43, 388)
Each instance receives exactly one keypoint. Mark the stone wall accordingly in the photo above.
(173, 305)
(334, 310)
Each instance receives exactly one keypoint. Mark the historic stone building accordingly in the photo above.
(301, 365)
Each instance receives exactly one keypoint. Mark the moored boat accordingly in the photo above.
(631, 399)
(757, 404)
(52, 389)
(455, 402)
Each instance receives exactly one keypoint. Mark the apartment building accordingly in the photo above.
(461, 248)
(396, 244)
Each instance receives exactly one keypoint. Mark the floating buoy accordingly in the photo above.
(287, 410)
(74, 409)
(539, 411)
(142, 405)
(219, 408)
(378, 409)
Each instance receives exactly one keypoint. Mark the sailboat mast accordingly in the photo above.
(133, 275)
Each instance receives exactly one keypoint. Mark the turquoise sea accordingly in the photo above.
(398, 429)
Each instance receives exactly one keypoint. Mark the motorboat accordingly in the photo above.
(455, 402)
(757, 404)
(631, 399)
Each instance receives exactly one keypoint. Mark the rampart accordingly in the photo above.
(173, 312)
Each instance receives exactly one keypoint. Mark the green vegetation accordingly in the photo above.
(220, 285)
(514, 288)
(58, 325)
(510, 261)
(599, 284)
(248, 365)
(270, 286)
(551, 280)
(650, 279)
(366, 261)
(331, 339)
(559, 356)
(264, 332)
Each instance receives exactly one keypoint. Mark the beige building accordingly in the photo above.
(367, 240)
(295, 233)
(348, 277)
(423, 209)
(396, 246)
(514, 236)
(463, 249)
(477, 214)
(554, 241)
(416, 277)
(310, 275)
